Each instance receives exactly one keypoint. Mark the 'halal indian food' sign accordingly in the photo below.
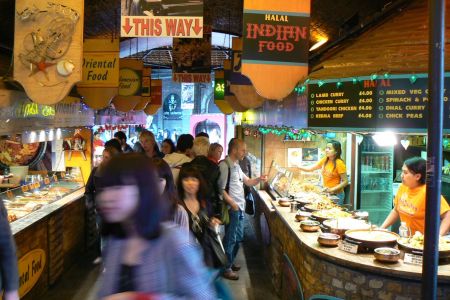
(130, 82)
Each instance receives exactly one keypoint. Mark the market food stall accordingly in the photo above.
(342, 261)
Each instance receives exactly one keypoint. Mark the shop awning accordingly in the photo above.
(397, 46)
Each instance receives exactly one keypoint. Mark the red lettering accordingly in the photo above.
(180, 29)
(170, 27)
(369, 83)
(158, 27)
(137, 22)
(386, 82)
(187, 25)
(282, 32)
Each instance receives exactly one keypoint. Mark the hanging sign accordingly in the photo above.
(219, 93)
(48, 39)
(100, 72)
(156, 97)
(172, 107)
(30, 266)
(160, 19)
(130, 85)
(145, 88)
(381, 103)
(275, 45)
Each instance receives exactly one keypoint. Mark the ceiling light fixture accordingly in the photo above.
(319, 43)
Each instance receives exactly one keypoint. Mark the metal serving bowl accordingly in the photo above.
(302, 215)
(328, 239)
(309, 226)
(387, 255)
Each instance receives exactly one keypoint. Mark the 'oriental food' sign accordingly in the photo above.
(31, 266)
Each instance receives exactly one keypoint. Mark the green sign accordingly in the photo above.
(219, 89)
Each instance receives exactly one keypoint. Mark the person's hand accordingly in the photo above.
(11, 295)
(215, 222)
(263, 178)
(234, 206)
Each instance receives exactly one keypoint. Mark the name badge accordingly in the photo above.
(413, 259)
(348, 247)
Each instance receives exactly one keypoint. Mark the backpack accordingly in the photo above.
(225, 217)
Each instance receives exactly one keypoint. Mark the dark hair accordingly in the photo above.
(207, 126)
(185, 142)
(171, 144)
(417, 165)
(170, 191)
(187, 170)
(111, 150)
(120, 135)
(337, 147)
(202, 134)
(114, 143)
(136, 169)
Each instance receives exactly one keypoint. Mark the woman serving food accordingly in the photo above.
(334, 172)
(409, 203)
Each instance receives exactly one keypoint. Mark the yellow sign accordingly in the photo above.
(100, 69)
(31, 266)
(129, 82)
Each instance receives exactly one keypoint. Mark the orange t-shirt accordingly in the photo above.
(410, 205)
(331, 175)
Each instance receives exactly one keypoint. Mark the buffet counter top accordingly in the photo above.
(22, 223)
(362, 262)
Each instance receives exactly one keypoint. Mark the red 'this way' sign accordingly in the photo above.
(162, 26)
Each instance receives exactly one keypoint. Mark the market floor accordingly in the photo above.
(79, 283)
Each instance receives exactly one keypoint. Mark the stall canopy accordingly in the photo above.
(398, 45)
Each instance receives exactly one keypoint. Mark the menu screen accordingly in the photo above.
(384, 103)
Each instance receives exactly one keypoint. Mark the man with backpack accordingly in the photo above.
(231, 182)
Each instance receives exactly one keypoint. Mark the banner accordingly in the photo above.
(130, 85)
(100, 72)
(162, 19)
(172, 107)
(275, 49)
(192, 57)
(48, 39)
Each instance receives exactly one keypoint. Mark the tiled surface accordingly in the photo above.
(254, 282)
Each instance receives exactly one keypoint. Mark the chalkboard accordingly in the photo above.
(373, 104)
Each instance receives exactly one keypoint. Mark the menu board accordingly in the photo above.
(384, 103)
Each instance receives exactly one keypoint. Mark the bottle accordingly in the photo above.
(403, 230)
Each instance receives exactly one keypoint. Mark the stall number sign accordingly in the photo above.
(348, 247)
(413, 259)
(31, 266)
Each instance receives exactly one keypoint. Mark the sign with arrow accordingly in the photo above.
(162, 18)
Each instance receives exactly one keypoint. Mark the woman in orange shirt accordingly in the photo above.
(409, 203)
(334, 172)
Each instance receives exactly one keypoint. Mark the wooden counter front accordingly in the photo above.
(324, 270)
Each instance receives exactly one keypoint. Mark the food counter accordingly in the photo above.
(47, 219)
(331, 271)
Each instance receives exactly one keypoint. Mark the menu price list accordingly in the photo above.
(382, 103)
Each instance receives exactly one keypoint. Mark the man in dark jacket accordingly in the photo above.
(211, 174)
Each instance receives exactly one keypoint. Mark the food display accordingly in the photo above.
(386, 254)
(322, 205)
(14, 153)
(20, 203)
(333, 213)
(372, 235)
(328, 239)
(309, 226)
(417, 242)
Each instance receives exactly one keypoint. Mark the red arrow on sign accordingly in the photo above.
(127, 26)
(197, 28)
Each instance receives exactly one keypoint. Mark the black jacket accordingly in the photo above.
(211, 174)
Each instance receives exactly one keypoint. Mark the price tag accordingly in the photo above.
(37, 185)
(9, 194)
(413, 259)
(55, 178)
(47, 180)
(63, 174)
(348, 247)
(25, 188)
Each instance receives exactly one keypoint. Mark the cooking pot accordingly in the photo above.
(367, 240)
(341, 225)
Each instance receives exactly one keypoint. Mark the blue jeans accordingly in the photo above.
(234, 234)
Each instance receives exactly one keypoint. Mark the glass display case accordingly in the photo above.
(375, 180)
(41, 190)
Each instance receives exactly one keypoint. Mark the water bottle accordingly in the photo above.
(403, 230)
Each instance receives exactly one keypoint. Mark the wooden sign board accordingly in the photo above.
(48, 39)
(275, 45)
(130, 85)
